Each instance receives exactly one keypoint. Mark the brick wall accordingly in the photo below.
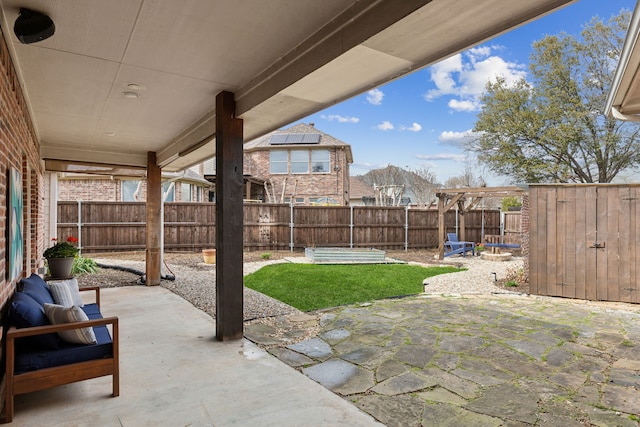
(105, 189)
(334, 184)
(89, 190)
(19, 149)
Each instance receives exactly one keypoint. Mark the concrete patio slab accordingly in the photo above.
(174, 372)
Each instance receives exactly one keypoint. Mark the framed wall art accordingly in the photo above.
(15, 239)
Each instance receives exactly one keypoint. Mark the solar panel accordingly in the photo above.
(280, 138)
(295, 138)
(310, 138)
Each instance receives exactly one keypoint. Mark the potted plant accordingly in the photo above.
(60, 257)
(479, 248)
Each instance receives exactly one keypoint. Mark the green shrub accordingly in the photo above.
(510, 201)
(83, 265)
(515, 277)
(265, 255)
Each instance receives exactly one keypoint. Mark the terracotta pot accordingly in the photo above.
(209, 256)
(60, 268)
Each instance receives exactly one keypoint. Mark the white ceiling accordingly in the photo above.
(283, 59)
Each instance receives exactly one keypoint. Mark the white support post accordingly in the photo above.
(351, 227)
(406, 228)
(291, 227)
(79, 224)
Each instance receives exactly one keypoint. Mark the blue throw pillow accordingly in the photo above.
(25, 312)
(37, 289)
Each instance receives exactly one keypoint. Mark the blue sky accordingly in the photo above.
(421, 120)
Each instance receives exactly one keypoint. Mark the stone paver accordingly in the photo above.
(315, 348)
(481, 360)
(341, 377)
(402, 384)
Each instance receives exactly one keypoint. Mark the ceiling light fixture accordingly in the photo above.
(129, 94)
(32, 26)
(136, 86)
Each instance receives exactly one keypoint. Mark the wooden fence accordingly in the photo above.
(584, 241)
(120, 226)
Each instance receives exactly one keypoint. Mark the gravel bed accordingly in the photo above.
(195, 281)
(479, 278)
(195, 284)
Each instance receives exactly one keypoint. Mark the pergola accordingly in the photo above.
(451, 197)
(141, 86)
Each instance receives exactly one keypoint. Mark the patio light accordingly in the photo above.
(32, 27)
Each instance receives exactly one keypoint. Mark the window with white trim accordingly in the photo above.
(185, 192)
(168, 191)
(129, 189)
(300, 161)
(278, 161)
(297, 200)
(320, 161)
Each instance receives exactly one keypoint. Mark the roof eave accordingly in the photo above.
(625, 72)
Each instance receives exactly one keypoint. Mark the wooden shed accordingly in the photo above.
(584, 241)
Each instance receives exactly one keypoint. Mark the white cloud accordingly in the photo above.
(460, 158)
(457, 139)
(476, 53)
(465, 76)
(415, 127)
(442, 76)
(375, 96)
(386, 125)
(341, 119)
(465, 105)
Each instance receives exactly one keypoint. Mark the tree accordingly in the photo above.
(467, 179)
(423, 183)
(510, 202)
(554, 129)
(418, 184)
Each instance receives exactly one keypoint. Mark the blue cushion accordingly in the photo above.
(67, 353)
(37, 289)
(25, 312)
(92, 311)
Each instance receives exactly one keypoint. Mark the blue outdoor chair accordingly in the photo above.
(454, 246)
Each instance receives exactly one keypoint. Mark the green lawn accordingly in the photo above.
(310, 286)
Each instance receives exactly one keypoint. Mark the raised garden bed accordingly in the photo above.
(344, 255)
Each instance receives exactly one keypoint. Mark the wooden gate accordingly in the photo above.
(584, 241)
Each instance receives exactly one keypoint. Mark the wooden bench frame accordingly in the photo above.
(42, 379)
(495, 246)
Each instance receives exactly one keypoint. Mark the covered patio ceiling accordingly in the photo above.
(121, 78)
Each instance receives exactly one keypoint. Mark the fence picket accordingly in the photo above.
(109, 226)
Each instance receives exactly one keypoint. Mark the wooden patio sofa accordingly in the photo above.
(38, 359)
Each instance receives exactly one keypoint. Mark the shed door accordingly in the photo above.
(584, 242)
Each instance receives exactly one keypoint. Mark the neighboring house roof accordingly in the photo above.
(324, 140)
(358, 188)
